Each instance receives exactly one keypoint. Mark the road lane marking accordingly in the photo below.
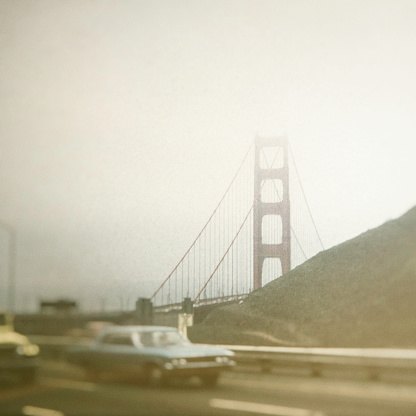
(22, 391)
(374, 392)
(69, 384)
(45, 384)
(261, 408)
(39, 411)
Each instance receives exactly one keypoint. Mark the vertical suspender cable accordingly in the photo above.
(304, 195)
(206, 224)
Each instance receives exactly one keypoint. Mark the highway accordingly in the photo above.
(63, 390)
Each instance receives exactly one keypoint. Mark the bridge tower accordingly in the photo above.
(271, 206)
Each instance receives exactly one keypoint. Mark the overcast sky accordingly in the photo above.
(123, 122)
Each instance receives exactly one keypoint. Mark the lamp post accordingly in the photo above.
(11, 266)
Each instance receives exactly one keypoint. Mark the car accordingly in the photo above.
(154, 353)
(18, 356)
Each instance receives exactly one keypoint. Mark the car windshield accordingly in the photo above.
(162, 338)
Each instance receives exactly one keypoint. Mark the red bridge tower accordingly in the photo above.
(271, 220)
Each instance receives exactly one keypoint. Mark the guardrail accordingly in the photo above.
(372, 363)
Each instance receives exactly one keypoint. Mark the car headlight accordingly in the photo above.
(29, 350)
(221, 360)
(177, 362)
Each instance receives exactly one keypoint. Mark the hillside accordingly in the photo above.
(360, 293)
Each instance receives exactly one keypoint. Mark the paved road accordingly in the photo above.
(62, 390)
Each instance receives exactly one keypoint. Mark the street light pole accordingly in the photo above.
(11, 287)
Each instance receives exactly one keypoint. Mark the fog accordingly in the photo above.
(122, 124)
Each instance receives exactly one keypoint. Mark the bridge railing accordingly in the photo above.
(368, 363)
(201, 302)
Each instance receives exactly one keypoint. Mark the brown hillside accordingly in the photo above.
(358, 294)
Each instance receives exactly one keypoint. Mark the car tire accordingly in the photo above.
(154, 376)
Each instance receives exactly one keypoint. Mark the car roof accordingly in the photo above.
(136, 328)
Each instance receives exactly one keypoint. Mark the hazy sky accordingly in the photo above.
(123, 122)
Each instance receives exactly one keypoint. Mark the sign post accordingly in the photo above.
(185, 320)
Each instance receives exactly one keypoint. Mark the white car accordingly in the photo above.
(154, 353)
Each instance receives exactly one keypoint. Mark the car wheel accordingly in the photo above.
(210, 380)
(154, 376)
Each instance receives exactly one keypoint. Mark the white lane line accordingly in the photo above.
(69, 384)
(374, 392)
(261, 408)
(22, 391)
(39, 411)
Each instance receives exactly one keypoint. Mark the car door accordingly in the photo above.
(119, 353)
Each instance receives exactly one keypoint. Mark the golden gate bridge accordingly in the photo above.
(261, 228)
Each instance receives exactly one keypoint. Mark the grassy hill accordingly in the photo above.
(361, 293)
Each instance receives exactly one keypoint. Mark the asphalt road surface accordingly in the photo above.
(62, 390)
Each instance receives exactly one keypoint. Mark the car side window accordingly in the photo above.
(118, 339)
(165, 338)
(146, 339)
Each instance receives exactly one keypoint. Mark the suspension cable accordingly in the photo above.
(206, 225)
(304, 196)
(226, 252)
(234, 239)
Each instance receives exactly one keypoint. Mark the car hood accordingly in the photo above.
(13, 338)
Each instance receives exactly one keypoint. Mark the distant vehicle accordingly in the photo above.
(156, 354)
(18, 356)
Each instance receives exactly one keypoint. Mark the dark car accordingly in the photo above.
(156, 354)
(18, 356)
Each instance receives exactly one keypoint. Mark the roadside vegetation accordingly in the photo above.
(360, 293)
